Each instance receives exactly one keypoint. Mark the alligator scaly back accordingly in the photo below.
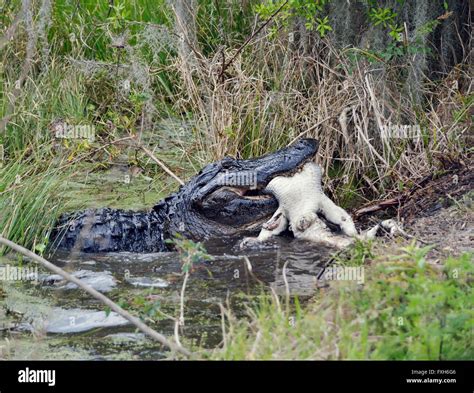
(105, 230)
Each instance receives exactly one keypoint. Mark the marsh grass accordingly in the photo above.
(270, 96)
(28, 203)
(270, 93)
(424, 316)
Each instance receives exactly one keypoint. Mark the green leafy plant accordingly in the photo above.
(322, 26)
(406, 309)
(309, 10)
(189, 251)
(357, 255)
(396, 32)
(382, 16)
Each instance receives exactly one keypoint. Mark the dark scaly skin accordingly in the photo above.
(200, 209)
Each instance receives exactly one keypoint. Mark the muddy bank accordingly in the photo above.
(438, 211)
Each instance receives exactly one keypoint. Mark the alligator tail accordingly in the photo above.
(109, 230)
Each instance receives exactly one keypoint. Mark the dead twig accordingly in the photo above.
(161, 164)
(180, 321)
(312, 128)
(97, 150)
(287, 287)
(379, 205)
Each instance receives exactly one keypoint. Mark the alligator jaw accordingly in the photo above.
(234, 193)
(248, 178)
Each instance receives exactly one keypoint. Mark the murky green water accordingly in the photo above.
(50, 319)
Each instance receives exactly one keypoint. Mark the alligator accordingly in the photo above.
(226, 198)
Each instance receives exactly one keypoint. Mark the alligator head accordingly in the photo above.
(226, 198)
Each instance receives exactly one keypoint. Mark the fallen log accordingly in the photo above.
(379, 205)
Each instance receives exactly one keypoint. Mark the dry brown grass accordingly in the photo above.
(270, 96)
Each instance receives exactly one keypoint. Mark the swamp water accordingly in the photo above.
(48, 318)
